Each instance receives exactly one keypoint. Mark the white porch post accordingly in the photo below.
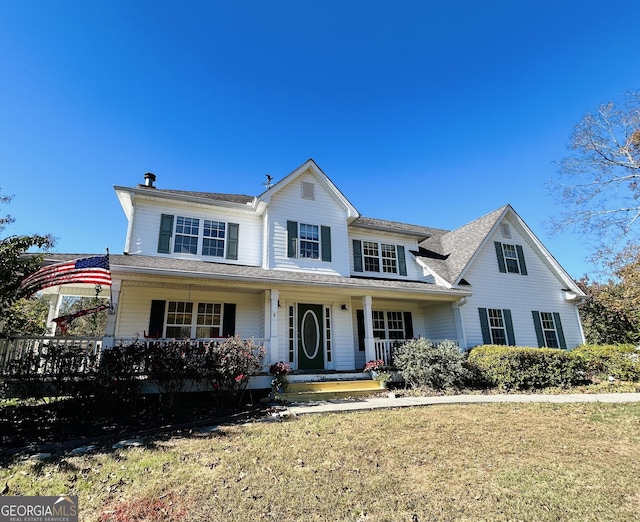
(110, 330)
(54, 308)
(369, 343)
(273, 326)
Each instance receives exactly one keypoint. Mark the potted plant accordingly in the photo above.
(279, 370)
(378, 370)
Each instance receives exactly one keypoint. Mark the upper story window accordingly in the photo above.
(510, 258)
(370, 256)
(213, 240)
(189, 236)
(187, 232)
(308, 241)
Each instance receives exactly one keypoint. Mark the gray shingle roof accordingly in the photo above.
(449, 253)
(213, 196)
(393, 226)
(121, 264)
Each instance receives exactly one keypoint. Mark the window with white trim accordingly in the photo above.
(371, 256)
(388, 325)
(511, 259)
(187, 233)
(309, 241)
(213, 233)
(497, 328)
(183, 323)
(549, 330)
(376, 255)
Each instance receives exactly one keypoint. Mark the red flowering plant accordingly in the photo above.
(280, 370)
(379, 370)
(374, 366)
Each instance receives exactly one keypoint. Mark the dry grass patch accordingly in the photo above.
(476, 462)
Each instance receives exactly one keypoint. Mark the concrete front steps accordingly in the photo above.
(323, 387)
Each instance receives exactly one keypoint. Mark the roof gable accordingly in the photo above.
(310, 167)
(450, 254)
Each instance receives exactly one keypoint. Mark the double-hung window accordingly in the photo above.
(497, 326)
(309, 241)
(187, 233)
(548, 328)
(510, 258)
(213, 238)
(371, 255)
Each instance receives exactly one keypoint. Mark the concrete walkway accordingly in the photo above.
(400, 402)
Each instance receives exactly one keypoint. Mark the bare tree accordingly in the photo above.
(598, 184)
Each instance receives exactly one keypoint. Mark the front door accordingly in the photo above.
(310, 337)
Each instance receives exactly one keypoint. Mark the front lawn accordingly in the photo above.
(493, 462)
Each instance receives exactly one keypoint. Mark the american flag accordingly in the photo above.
(91, 270)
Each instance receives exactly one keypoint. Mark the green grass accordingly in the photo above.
(493, 462)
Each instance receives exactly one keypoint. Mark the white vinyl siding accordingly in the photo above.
(135, 304)
(146, 226)
(324, 210)
(541, 289)
(380, 255)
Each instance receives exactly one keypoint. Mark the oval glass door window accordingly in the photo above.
(310, 334)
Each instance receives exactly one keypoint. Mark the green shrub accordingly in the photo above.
(435, 365)
(621, 361)
(512, 368)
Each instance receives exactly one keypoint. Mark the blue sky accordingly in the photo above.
(432, 113)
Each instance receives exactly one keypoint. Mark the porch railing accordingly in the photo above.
(384, 348)
(49, 355)
(42, 356)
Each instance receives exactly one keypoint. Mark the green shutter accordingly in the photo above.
(538, 326)
(511, 338)
(523, 265)
(232, 240)
(408, 325)
(166, 230)
(357, 255)
(559, 330)
(402, 262)
(360, 321)
(500, 257)
(484, 326)
(229, 320)
(325, 243)
(292, 238)
(156, 318)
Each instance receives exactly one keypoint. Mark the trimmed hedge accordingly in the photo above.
(621, 361)
(513, 368)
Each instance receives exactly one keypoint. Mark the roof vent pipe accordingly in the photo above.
(149, 179)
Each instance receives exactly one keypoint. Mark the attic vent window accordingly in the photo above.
(506, 231)
(308, 190)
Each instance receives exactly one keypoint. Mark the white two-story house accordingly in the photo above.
(298, 269)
